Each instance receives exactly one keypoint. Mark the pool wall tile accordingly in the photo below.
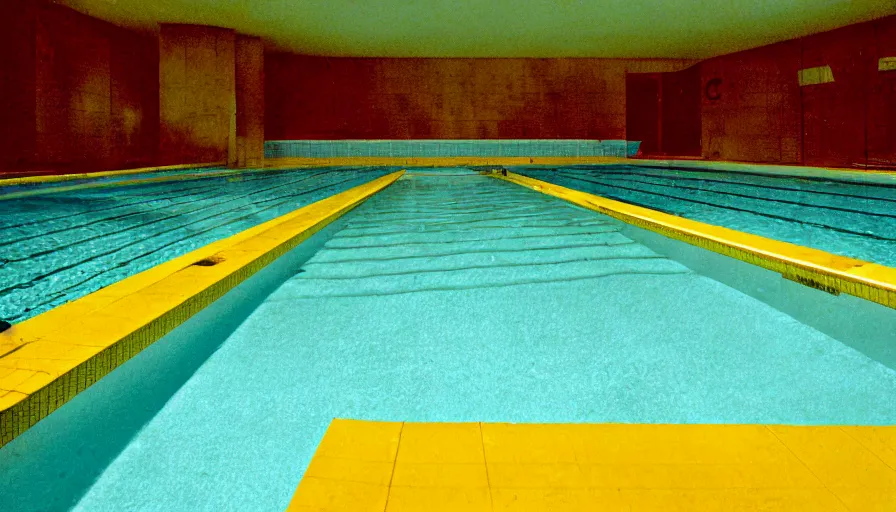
(449, 148)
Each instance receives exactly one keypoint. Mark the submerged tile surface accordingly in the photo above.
(466, 299)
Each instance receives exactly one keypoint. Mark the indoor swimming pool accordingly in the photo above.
(838, 216)
(448, 296)
(58, 247)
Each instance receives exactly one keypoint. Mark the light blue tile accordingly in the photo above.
(450, 148)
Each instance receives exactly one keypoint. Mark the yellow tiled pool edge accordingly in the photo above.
(811, 267)
(274, 164)
(862, 175)
(53, 178)
(223, 173)
(394, 466)
(48, 359)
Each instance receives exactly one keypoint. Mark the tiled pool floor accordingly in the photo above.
(469, 299)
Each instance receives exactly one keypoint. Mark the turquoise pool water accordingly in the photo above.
(460, 298)
(57, 248)
(850, 219)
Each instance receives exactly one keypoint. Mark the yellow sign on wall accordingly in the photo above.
(886, 64)
(814, 76)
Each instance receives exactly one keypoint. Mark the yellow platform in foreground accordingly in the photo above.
(377, 466)
(47, 360)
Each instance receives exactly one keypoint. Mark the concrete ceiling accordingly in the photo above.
(502, 28)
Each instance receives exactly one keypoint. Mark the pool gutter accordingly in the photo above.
(877, 176)
(55, 178)
(37, 190)
(810, 267)
(868, 176)
(47, 360)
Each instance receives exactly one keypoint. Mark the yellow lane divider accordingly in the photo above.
(142, 181)
(54, 178)
(48, 359)
(811, 267)
(395, 466)
(850, 174)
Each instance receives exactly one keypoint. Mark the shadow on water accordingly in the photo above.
(860, 324)
(53, 464)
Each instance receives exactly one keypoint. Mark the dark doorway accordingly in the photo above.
(680, 103)
(663, 112)
(642, 111)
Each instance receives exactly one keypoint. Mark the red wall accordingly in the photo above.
(134, 109)
(882, 99)
(78, 93)
(663, 112)
(249, 101)
(642, 110)
(757, 117)
(17, 83)
(765, 116)
(197, 94)
(681, 112)
(96, 92)
(349, 98)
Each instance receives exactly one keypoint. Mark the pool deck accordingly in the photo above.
(397, 466)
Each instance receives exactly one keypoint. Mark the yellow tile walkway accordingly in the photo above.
(385, 466)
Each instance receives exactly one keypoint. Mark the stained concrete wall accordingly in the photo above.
(77, 93)
(358, 98)
(80, 94)
(17, 83)
(764, 115)
(249, 101)
(197, 95)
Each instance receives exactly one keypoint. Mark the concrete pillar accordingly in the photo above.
(197, 94)
(249, 102)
